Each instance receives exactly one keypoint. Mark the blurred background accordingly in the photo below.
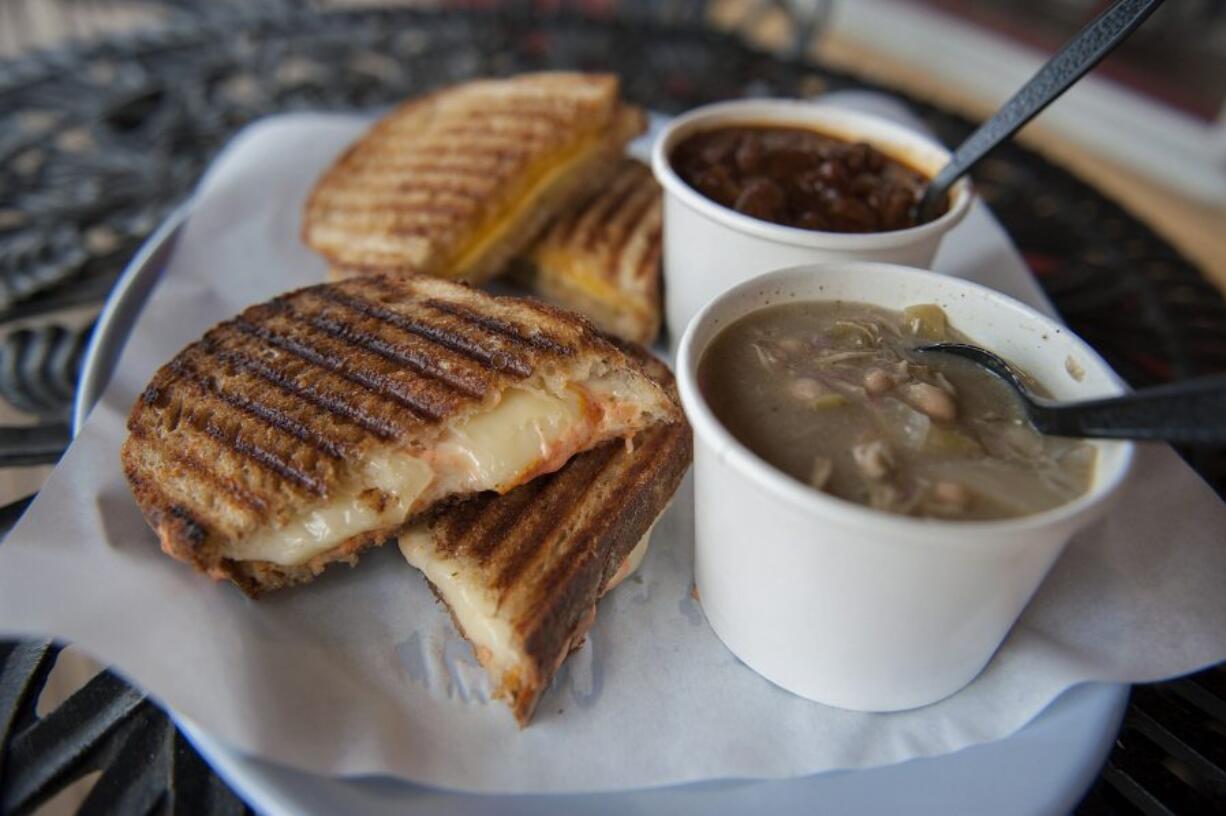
(1153, 112)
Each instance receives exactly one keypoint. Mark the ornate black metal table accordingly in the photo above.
(97, 144)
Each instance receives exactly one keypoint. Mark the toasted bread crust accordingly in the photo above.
(602, 258)
(423, 186)
(271, 412)
(549, 549)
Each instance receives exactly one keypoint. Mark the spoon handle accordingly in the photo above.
(1186, 413)
(1079, 55)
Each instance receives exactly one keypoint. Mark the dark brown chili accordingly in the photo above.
(800, 178)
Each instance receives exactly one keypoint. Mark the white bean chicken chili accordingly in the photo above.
(834, 394)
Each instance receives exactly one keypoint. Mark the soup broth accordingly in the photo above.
(835, 395)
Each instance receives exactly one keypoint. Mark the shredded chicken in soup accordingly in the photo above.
(835, 395)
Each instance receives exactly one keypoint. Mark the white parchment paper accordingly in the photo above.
(361, 672)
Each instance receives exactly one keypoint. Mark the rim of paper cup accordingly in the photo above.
(884, 134)
(815, 503)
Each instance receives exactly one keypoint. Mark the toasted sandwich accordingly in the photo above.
(602, 259)
(316, 424)
(457, 183)
(521, 573)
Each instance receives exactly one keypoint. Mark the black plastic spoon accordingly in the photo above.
(1186, 413)
(1081, 54)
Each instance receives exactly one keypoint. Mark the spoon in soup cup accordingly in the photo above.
(1192, 412)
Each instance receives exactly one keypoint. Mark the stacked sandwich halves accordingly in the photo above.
(518, 453)
(461, 182)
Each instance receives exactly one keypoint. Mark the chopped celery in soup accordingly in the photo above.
(834, 394)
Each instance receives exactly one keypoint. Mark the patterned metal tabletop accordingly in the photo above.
(99, 142)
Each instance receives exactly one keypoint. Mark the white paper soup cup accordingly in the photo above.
(850, 606)
(709, 248)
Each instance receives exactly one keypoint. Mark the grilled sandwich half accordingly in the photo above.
(602, 259)
(315, 424)
(521, 573)
(458, 182)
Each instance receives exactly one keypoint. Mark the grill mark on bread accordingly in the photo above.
(169, 510)
(613, 240)
(651, 255)
(209, 428)
(197, 470)
(195, 532)
(435, 165)
(520, 113)
(494, 115)
(596, 222)
(429, 213)
(374, 344)
(439, 335)
(404, 200)
(262, 412)
(162, 476)
(548, 312)
(484, 535)
(501, 143)
(378, 384)
(630, 232)
(500, 327)
(474, 528)
(203, 471)
(397, 217)
(590, 221)
(263, 457)
(433, 213)
(644, 460)
(412, 231)
(441, 163)
(564, 228)
(563, 497)
(336, 406)
(441, 365)
(486, 143)
(521, 133)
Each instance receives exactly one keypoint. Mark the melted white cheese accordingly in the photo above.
(530, 430)
(401, 478)
(474, 607)
(527, 432)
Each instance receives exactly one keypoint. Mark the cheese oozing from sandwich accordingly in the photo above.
(528, 432)
(540, 179)
(400, 481)
(475, 607)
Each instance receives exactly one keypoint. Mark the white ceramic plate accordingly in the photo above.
(1044, 768)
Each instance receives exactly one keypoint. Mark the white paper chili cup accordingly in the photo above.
(709, 248)
(853, 607)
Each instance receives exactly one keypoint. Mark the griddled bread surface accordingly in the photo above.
(436, 174)
(602, 258)
(547, 550)
(269, 413)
